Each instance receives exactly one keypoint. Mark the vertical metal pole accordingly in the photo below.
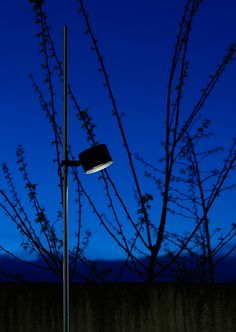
(66, 297)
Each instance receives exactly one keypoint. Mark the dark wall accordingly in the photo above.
(119, 308)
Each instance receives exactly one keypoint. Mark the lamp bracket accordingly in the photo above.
(70, 163)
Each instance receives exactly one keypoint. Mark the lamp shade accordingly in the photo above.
(95, 158)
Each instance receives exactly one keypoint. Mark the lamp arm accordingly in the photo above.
(70, 163)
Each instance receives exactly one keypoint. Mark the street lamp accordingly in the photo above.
(92, 160)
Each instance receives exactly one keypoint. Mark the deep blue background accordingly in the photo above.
(136, 40)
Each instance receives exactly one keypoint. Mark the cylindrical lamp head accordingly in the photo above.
(95, 158)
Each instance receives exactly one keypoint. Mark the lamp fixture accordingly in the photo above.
(95, 159)
(92, 160)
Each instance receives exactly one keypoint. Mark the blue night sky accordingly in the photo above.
(136, 39)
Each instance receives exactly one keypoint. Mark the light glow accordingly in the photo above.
(99, 167)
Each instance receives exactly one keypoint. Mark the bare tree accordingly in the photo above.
(187, 188)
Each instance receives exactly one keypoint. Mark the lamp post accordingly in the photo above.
(92, 160)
